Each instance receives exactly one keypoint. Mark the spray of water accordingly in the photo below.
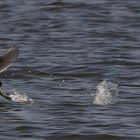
(20, 98)
(106, 93)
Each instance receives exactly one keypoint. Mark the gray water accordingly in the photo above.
(67, 48)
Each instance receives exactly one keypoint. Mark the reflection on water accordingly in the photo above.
(66, 49)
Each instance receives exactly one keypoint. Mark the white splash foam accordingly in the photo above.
(20, 98)
(106, 93)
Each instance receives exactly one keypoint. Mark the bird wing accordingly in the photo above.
(7, 59)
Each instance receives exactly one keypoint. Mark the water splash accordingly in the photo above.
(20, 98)
(106, 93)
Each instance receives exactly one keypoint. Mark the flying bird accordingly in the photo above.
(5, 61)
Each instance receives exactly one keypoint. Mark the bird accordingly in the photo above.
(6, 61)
(4, 94)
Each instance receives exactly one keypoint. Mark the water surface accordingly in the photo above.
(66, 49)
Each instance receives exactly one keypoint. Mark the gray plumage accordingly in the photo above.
(7, 59)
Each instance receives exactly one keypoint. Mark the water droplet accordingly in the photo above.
(20, 98)
(106, 93)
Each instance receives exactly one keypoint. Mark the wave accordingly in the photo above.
(90, 137)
